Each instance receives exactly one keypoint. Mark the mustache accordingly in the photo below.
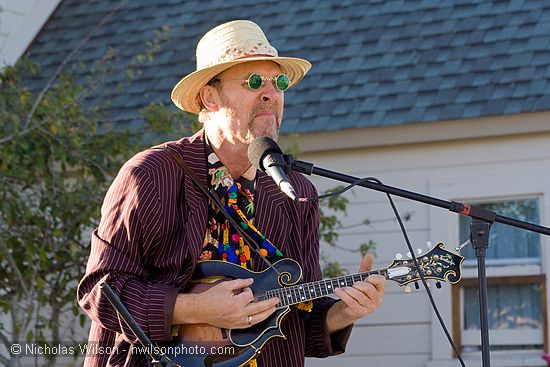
(263, 107)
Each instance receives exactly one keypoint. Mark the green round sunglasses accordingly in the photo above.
(256, 80)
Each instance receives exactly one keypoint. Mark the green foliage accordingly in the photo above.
(54, 170)
(367, 247)
(332, 269)
(38, 193)
(332, 209)
(164, 121)
(329, 220)
(57, 159)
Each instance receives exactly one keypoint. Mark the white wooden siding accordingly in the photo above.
(405, 331)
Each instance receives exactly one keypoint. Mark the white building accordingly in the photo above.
(490, 160)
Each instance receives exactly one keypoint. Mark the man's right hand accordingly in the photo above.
(229, 305)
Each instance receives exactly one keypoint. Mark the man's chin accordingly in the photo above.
(274, 135)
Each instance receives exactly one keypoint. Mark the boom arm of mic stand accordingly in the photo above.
(461, 208)
(133, 325)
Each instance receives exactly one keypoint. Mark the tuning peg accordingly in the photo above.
(462, 245)
(409, 255)
(429, 245)
(408, 289)
(399, 256)
(416, 285)
(419, 251)
(438, 285)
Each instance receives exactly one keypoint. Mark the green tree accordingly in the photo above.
(57, 159)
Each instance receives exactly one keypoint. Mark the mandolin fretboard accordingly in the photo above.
(305, 292)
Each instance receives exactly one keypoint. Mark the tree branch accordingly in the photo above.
(13, 265)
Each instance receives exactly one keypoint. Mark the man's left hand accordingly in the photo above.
(361, 299)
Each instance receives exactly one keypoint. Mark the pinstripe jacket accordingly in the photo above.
(153, 222)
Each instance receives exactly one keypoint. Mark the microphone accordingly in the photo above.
(266, 155)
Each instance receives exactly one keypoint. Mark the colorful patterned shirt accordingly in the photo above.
(222, 241)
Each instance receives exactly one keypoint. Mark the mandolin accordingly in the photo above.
(206, 345)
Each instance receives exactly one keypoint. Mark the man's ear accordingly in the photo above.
(210, 97)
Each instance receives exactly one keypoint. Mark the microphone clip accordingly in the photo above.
(292, 164)
(289, 162)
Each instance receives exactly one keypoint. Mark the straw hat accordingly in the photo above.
(225, 46)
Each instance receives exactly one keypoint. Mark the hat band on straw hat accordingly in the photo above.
(252, 55)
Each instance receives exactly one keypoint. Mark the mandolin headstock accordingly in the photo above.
(438, 264)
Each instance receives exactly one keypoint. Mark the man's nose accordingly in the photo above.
(268, 92)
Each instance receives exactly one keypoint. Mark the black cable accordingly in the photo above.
(430, 296)
(341, 191)
(415, 260)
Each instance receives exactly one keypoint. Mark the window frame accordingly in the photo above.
(501, 338)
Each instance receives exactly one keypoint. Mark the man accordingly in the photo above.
(156, 223)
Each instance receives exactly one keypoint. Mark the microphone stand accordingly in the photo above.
(479, 229)
(152, 356)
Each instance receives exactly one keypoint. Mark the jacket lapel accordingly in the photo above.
(194, 157)
(197, 205)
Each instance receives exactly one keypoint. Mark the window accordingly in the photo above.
(507, 245)
(516, 298)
